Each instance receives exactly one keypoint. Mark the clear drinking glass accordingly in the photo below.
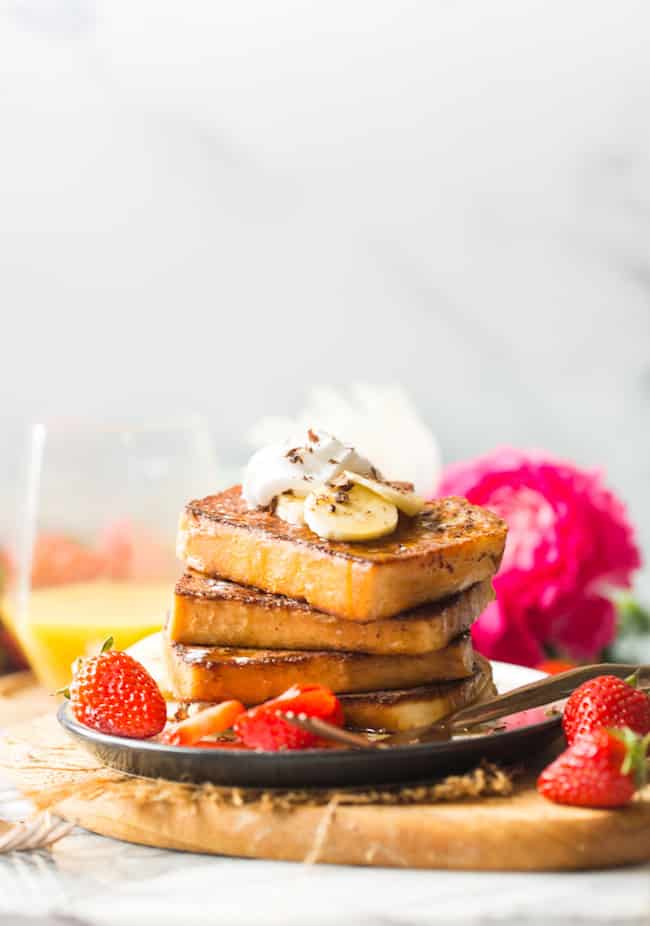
(93, 554)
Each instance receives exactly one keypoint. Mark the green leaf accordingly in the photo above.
(633, 618)
(636, 750)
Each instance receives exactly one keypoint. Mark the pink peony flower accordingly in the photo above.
(569, 543)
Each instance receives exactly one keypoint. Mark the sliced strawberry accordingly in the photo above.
(207, 722)
(263, 727)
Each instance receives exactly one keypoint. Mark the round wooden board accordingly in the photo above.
(519, 833)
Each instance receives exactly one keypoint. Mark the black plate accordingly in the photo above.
(313, 767)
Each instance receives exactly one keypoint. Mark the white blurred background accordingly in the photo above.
(213, 206)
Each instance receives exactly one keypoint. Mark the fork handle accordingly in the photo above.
(544, 691)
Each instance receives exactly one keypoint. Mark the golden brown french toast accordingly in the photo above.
(201, 673)
(394, 711)
(439, 552)
(402, 709)
(214, 612)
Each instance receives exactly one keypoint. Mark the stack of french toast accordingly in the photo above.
(321, 571)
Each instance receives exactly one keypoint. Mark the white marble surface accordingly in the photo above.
(91, 880)
(455, 196)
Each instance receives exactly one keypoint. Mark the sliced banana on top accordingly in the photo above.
(349, 513)
(291, 508)
(408, 502)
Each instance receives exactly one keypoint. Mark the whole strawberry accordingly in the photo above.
(113, 693)
(606, 701)
(601, 769)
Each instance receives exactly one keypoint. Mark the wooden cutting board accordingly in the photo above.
(520, 832)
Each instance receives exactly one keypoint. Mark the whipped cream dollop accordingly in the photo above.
(299, 466)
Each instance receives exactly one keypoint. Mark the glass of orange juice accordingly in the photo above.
(93, 555)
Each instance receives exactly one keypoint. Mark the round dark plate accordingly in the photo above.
(524, 735)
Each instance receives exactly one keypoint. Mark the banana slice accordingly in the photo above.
(290, 508)
(353, 513)
(409, 502)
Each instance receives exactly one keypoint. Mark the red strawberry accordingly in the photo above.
(215, 719)
(115, 694)
(606, 701)
(601, 769)
(263, 727)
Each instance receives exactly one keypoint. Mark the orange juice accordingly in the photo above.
(67, 621)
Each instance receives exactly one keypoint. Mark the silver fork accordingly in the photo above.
(40, 832)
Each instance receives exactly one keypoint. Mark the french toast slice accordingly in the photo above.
(214, 612)
(439, 552)
(201, 673)
(372, 710)
(394, 711)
